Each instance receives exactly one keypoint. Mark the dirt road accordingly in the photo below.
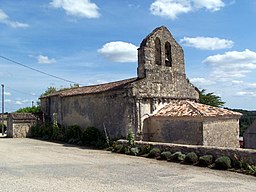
(33, 165)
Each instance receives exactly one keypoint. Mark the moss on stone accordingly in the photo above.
(154, 153)
(205, 160)
(191, 158)
(177, 157)
(223, 163)
(166, 155)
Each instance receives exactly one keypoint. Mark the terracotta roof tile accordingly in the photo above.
(93, 89)
(185, 108)
(23, 116)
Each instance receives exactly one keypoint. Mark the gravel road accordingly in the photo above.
(32, 165)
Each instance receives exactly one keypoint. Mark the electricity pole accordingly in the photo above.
(2, 109)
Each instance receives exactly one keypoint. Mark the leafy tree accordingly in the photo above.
(210, 99)
(49, 91)
(34, 109)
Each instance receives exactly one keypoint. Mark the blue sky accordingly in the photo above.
(94, 41)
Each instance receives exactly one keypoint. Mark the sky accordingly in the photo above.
(61, 42)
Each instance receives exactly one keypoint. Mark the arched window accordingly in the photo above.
(158, 51)
(168, 54)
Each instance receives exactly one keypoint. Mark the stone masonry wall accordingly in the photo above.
(113, 109)
(160, 80)
(247, 155)
(173, 130)
(221, 132)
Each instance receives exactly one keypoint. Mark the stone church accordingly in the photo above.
(132, 103)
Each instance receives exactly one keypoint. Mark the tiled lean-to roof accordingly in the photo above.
(93, 88)
(185, 108)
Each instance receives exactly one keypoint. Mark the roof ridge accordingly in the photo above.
(194, 107)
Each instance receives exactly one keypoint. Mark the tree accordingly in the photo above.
(210, 99)
(49, 91)
(34, 109)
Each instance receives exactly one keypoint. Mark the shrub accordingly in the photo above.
(223, 163)
(131, 137)
(166, 155)
(134, 151)
(191, 158)
(177, 157)
(144, 150)
(205, 160)
(46, 131)
(92, 136)
(36, 131)
(153, 153)
(119, 148)
(73, 132)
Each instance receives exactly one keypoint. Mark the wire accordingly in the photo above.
(54, 76)
(20, 91)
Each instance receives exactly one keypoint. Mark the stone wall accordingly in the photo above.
(221, 132)
(19, 125)
(173, 130)
(22, 130)
(113, 109)
(247, 155)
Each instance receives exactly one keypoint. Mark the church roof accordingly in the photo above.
(92, 89)
(185, 108)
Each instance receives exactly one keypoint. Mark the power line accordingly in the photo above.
(20, 91)
(54, 76)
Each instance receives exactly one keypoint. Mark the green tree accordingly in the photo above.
(210, 99)
(49, 90)
(34, 109)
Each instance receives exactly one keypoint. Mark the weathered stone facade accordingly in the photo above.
(19, 125)
(125, 104)
(187, 122)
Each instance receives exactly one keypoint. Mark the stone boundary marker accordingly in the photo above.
(247, 155)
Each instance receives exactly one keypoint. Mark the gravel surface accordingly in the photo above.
(33, 165)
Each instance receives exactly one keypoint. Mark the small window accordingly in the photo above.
(168, 54)
(158, 51)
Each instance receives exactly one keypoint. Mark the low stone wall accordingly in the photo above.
(247, 155)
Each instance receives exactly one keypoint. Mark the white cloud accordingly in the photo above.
(172, 8)
(212, 5)
(18, 103)
(202, 81)
(232, 65)
(45, 60)
(207, 43)
(7, 100)
(246, 93)
(79, 8)
(7, 93)
(119, 51)
(4, 18)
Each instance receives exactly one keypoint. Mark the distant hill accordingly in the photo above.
(246, 120)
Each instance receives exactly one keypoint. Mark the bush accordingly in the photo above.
(73, 133)
(166, 155)
(223, 163)
(144, 150)
(92, 136)
(177, 157)
(119, 148)
(191, 158)
(154, 153)
(205, 160)
(46, 131)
